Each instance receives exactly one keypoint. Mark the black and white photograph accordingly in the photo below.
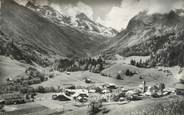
(91, 57)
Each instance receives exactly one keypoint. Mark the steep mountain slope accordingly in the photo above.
(80, 21)
(33, 32)
(22, 52)
(150, 35)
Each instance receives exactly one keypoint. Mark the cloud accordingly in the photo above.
(21, 2)
(37, 2)
(73, 10)
(119, 17)
(100, 7)
(111, 13)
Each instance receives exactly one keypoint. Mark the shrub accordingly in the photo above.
(140, 77)
(52, 89)
(98, 90)
(51, 76)
(41, 76)
(129, 73)
(41, 89)
(95, 107)
(118, 76)
(132, 62)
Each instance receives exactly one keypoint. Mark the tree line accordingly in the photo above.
(91, 64)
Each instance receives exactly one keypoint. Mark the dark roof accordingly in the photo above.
(63, 97)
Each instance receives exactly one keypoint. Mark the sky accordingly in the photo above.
(99, 7)
(112, 13)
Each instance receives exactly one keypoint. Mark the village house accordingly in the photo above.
(61, 97)
(179, 89)
(80, 95)
(2, 101)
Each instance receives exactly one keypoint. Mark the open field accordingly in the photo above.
(151, 76)
(10, 68)
(24, 109)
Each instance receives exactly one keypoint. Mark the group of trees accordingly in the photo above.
(34, 73)
(118, 76)
(171, 55)
(26, 89)
(93, 65)
(140, 63)
(6, 88)
(41, 89)
(165, 50)
(31, 76)
(23, 53)
(23, 83)
(127, 73)
(96, 106)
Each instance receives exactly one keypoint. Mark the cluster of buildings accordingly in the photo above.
(15, 98)
(111, 93)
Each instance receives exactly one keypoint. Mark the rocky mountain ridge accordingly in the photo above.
(80, 21)
(156, 35)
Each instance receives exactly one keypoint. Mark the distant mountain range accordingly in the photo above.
(41, 31)
(80, 21)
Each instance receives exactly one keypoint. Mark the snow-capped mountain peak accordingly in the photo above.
(80, 21)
